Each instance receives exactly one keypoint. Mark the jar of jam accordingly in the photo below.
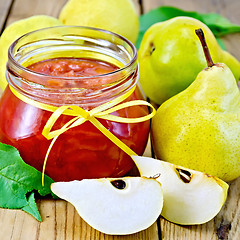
(79, 66)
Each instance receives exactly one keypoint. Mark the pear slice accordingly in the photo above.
(190, 197)
(114, 206)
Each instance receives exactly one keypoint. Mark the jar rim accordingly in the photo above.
(73, 42)
(78, 78)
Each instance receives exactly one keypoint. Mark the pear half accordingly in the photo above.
(114, 206)
(190, 197)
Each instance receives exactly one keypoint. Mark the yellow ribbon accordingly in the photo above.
(80, 116)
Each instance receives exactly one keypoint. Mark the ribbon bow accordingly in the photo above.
(80, 116)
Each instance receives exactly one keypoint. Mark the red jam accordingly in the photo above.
(72, 67)
(83, 151)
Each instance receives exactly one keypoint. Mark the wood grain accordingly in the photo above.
(27, 8)
(4, 10)
(60, 222)
(227, 8)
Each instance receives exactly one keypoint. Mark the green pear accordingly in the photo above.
(199, 128)
(117, 16)
(171, 56)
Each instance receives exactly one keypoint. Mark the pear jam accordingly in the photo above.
(81, 152)
(86, 73)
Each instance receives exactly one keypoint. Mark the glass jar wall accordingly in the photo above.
(83, 151)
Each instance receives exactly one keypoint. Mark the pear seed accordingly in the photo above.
(184, 175)
(155, 176)
(119, 184)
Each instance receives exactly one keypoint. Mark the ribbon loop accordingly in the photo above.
(80, 116)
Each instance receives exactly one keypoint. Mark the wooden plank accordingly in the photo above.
(228, 8)
(226, 224)
(26, 8)
(61, 222)
(4, 10)
(230, 214)
(137, 6)
(232, 43)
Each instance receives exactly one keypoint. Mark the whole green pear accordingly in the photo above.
(117, 16)
(171, 56)
(199, 128)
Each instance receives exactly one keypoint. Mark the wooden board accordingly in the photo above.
(60, 220)
(4, 11)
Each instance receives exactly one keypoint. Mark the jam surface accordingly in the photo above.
(83, 151)
(72, 67)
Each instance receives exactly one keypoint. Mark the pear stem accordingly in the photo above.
(208, 57)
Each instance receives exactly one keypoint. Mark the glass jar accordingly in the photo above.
(83, 151)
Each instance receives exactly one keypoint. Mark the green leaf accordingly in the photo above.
(17, 179)
(31, 208)
(219, 25)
